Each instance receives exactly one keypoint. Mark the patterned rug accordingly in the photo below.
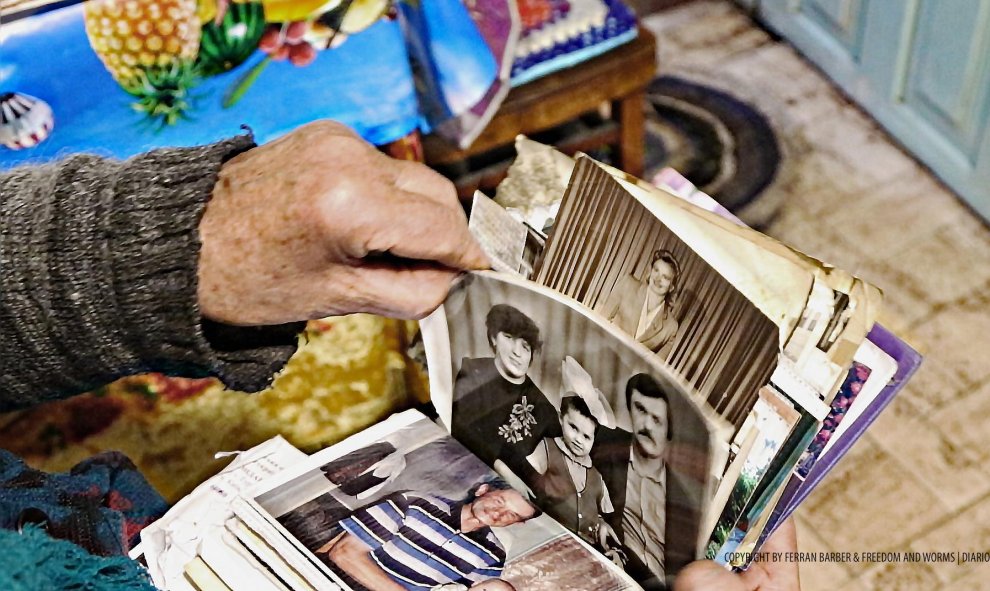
(724, 145)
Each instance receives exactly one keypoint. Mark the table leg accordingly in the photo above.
(631, 132)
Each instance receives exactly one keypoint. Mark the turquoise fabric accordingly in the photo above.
(32, 560)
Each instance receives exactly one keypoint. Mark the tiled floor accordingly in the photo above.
(920, 478)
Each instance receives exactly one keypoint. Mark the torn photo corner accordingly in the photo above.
(511, 244)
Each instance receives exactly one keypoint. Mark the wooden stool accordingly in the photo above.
(618, 77)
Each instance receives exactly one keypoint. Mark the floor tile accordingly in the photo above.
(974, 581)
(964, 423)
(823, 182)
(688, 13)
(891, 217)
(900, 576)
(949, 469)
(949, 264)
(820, 102)
(702, 34)
(673, 57)
(853, 138)
(956, 344)
(818, 576)
(779, 70)
(865, 493)
(966, 532)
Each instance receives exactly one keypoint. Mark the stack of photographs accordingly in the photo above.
(599, 433)
(767, 362)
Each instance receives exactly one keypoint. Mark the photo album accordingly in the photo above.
(640, 382)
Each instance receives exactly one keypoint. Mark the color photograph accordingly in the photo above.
(385, 516)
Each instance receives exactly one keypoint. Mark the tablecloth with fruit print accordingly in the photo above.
(123, 76)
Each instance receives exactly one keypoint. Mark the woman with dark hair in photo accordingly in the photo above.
(644, 309)
(499, 413)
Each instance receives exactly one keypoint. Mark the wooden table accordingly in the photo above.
(617, 78)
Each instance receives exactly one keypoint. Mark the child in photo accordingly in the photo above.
(567, 486)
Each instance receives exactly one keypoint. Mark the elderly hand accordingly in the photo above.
(320, 223)
(705, 575)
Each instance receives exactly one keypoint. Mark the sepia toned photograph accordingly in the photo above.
(610, 253)
(604, 439)
(415, 510)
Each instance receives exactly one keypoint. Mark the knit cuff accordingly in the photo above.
(99, 268)
(154, 241)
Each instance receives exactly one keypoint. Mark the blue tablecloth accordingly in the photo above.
(367, 83)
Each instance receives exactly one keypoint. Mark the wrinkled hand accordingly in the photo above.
(319, 223)
(705, 575)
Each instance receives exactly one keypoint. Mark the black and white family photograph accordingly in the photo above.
(604, 439)
(415, 510)
(609, 252)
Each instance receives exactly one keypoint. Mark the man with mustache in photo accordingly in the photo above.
(644, 510)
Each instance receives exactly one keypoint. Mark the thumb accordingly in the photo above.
(705, 575)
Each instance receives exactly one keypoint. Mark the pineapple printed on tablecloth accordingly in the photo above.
(150, 48)
(159, 50)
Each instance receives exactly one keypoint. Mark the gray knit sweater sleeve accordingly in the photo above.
(98, 261)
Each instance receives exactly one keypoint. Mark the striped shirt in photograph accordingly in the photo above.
(417, 540)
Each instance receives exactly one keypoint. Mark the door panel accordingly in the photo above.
(920, 67)
(949, 76)
(838, 18)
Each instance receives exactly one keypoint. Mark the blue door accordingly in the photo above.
(920, 67)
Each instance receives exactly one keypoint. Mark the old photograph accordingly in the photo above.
(603, 437)
(415, 510)
(610, 253)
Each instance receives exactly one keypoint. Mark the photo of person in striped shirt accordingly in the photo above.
(418, 541)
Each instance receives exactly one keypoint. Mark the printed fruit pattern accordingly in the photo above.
(231, 41)
(301, 29)
(159, 50)
(149, 47)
